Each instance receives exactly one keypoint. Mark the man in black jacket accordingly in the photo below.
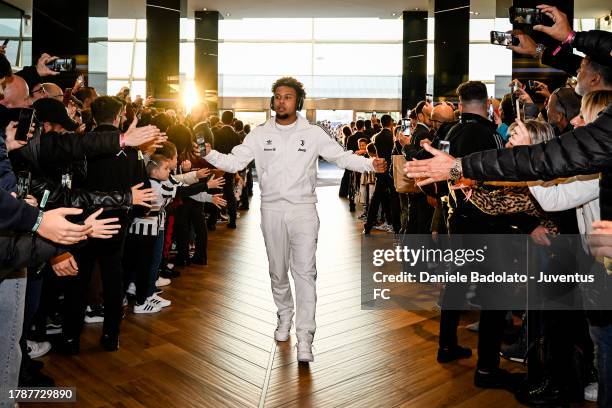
(226, 139)
(108, 172)
(359, 134)
(384, 190)
(474, 132)
(422, 130)
(352, 144)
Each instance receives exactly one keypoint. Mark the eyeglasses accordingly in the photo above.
(41, 90)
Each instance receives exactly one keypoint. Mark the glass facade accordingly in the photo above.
(334, 58)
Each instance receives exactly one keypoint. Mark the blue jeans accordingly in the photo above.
(602, 338)
(12, 298)
(158, 253)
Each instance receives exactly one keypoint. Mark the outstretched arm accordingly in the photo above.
(238, 159)
(333, 152)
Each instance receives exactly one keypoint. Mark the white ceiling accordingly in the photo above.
(360, 8)
(322, 8)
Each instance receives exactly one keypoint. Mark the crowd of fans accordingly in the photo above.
(103, 199)
(568, 352)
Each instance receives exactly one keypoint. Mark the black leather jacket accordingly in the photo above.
(52, 155)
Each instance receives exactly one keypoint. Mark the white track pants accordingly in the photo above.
(290, 234)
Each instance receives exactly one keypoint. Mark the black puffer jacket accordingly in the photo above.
(596, 44)
(593, 43)
(585, 150)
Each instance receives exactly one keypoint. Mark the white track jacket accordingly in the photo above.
(286, 161)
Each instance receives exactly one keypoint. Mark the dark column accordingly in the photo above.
(163, 35)
(451, 46)
(206, 57)
(61, 28)
(525, 68)
(414, 66)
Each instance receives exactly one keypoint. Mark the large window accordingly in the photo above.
(117, 54)
(13, 28)
(334, 58)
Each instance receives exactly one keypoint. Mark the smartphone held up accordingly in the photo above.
(62, 65)
(525, 15)
(26, 119)
(503, 38)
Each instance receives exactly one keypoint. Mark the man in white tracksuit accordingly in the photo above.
(286, 149)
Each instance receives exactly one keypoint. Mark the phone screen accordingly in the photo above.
(406, 127)
(62, 65)
(445, 146)
(503, 38)
(26, 117)
(24, 179)
(201, 145)
(525, 15)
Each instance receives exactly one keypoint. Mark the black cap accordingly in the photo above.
(53, 111)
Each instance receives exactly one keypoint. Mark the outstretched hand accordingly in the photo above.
(430, 170)
(380, 165)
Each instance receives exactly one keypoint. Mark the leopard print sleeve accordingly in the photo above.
(506, 200)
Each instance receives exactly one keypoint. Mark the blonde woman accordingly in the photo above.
(512, 200)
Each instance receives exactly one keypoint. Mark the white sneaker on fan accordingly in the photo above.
(38, 349)
(159, 301)
(147, 307)
(162, 282)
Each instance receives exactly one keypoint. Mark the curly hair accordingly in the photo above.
(291, 83)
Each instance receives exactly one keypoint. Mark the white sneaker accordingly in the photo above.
(131, 290)
(282, 330)
(162, 282)
(590, 392)
(95, 314)
(147, 307)
(383, 227)
(159, 301)
(304, 352)
(36, 349)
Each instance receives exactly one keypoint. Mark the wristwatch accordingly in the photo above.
(456, 172)
(539, 51)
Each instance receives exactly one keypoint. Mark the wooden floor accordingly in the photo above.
(214, 346)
